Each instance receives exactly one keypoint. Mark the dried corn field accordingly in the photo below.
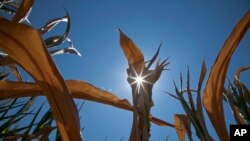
(123, 70)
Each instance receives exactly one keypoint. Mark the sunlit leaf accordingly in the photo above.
(24, 45)
(132, 52)
(23, 11)
(52, 23)
(68, 50)
(58, 39)
(212, 98)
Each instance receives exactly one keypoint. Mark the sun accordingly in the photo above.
(139, 81)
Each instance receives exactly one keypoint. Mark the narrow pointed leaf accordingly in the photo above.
(34, 119)
(198, 99)
(212, 98)
(202, 75)
(190, 98)
(12, 104)
(154, 57)
(46, 117)
(238, 83)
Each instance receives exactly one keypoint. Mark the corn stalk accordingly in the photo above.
(141, 80)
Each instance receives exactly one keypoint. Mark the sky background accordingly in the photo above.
(190, 32)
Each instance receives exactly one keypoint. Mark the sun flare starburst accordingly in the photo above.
(139, 81)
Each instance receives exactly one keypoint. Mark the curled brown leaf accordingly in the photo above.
(24, 45)
(212, 98)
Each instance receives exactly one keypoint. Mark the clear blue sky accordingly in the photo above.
(189, 30)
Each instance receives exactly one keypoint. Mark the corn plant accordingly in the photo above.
(141, 80)
(193, 109)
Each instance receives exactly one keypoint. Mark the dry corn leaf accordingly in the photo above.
(24, 45)
(183, 126)
(79, 89)
(23, 10)
(212, 98)
(133, 54)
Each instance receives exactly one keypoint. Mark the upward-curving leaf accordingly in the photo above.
(58, 39)
(132, 52)
(24, 45)
(212, 98)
